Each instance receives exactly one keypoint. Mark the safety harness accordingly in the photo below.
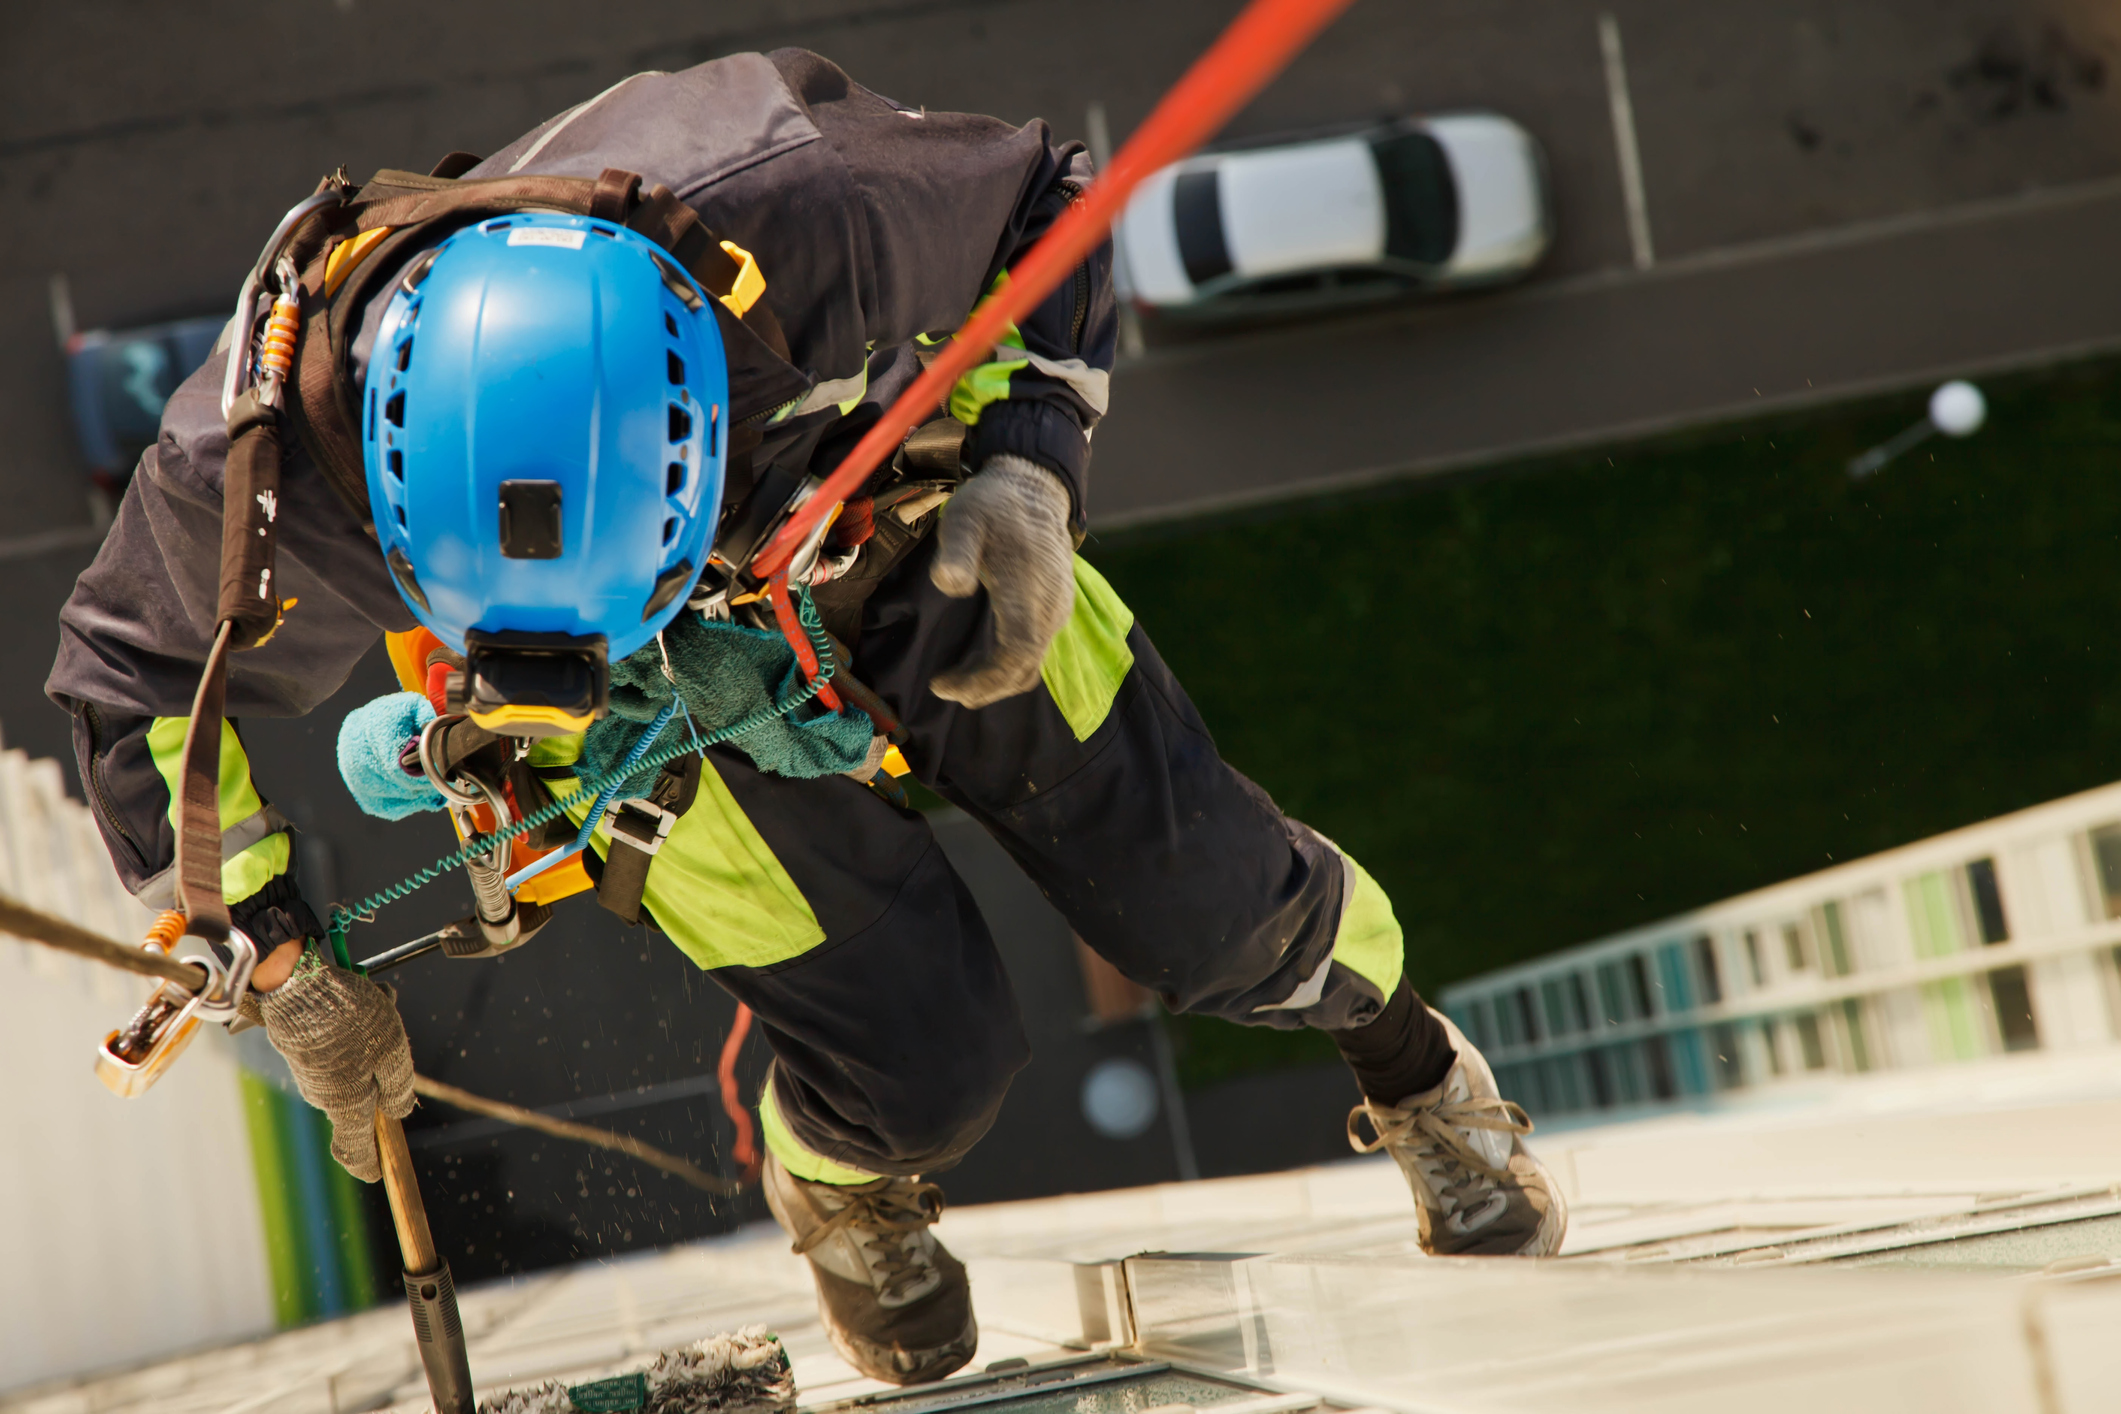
(330, 255)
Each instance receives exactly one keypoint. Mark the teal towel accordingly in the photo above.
(369, 742)
(727, 672)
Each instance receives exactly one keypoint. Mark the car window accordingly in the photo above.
(1421, 200)
(1196, 209)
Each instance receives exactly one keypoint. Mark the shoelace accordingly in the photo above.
(891, 1211)
(1439, 1127)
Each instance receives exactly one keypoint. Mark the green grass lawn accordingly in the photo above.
(1569, 696)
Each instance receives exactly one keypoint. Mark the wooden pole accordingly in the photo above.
(429, 1289)
(415, 1240)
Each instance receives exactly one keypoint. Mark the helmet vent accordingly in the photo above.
(668, 585)
(673, 481)
(670, 323)
(395, 460)
(670, 530)
(676, 366)
(394, 409)
(417, 272)
(401, 569)
(404, 355)
(680, 423)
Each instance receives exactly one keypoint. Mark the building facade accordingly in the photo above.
(2000, 937)
(204, 1211)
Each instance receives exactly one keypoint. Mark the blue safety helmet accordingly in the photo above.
(544, 425)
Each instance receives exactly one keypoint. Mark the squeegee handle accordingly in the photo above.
(429, 1290)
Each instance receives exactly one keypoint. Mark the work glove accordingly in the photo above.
(341, 1036)
(372, 742)
(1006, 530)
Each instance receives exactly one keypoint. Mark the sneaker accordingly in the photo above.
(895, 1302)
(1478, 1192)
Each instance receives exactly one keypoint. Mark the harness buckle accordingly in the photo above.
(641, 824)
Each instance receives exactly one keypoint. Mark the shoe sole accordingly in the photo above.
(1554, 1227)
(880, 1362)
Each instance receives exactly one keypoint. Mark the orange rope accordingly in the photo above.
(792, 629)
(746, 1152)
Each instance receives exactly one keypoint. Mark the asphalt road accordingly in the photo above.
(1808, 174)
(1908, 300)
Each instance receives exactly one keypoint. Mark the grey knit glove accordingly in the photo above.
(342, 1038)
(1006, 529)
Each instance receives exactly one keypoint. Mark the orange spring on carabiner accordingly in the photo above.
(277, 358)
(165, 930)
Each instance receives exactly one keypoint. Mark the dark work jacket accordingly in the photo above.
(878, 228)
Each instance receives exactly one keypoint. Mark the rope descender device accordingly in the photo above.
(133, 1057)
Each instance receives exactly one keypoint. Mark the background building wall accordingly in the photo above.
(1999, 938)
(135, 1228)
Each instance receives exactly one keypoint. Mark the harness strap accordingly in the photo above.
(613, 198)
(199, 806)
(250, 511)
(638, 829)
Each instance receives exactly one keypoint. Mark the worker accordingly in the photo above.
(553, 429)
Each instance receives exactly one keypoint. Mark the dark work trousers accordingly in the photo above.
(836, 918)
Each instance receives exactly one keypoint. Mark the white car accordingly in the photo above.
(1442, 202)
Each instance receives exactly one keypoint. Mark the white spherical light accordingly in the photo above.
(1119, 1098)
(1958, 409)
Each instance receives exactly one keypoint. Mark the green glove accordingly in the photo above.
(341, 1036)
(1006, 530)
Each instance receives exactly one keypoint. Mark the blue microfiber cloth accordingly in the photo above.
(727, 672)
(369, 742)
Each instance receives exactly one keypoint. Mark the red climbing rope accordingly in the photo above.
(746, 1152)
(1258, 45)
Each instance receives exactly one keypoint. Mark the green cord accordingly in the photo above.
(806, 614)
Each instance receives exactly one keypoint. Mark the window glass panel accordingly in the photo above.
(1631, 1073)
(1809, 1043)
(1730, 1061)
(1657, 1061)
(1672, 974)
(1690, 1061)
(1564, 1084)
(1525, 1015)
(1557, 1015)
(1639, 985)
(1477, 1014)
(1956, 1031)
(1988, 901)
(1753, 960)
(1771, 1036)
(1579, 1001)
(2014, 1009)
(1933, 924)
(1507, 1023)
(1705, 967)
(1859, 1048)
(1836, 961)
(1612, 994)
(1794, 949)
(2106, 859)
